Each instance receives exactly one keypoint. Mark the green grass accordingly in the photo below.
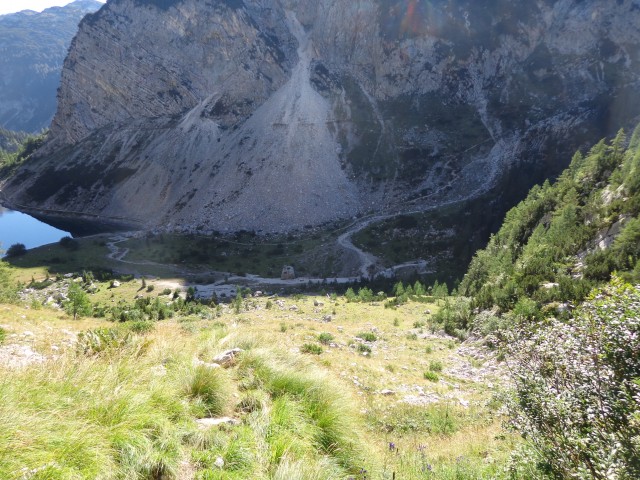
(125, 400)
(311, 348)
(367, 336)
(240, 254)
(84, 417)
(322, 416)
(437, 419)
(431, 376)
(129, 412)
(91, 255)
(208, 388)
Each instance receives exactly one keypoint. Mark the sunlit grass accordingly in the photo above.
(131, 411)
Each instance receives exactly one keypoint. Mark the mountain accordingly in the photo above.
(32, 50)
(566, 237)
(276, 115)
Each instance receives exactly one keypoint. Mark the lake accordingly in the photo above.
(16, 227)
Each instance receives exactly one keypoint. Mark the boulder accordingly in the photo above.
(288, 273)
(228, 358)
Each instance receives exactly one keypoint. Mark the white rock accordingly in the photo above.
(228, 358)
(214, 422)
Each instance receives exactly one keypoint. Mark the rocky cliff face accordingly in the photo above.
(32, 49)
(271, 115)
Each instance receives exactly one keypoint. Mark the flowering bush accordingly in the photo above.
(577, 387)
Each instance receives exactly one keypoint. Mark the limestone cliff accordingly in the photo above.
(33, 47)
(271, 115)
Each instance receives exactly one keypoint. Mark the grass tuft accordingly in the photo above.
(209, 387)
(311, 348)
(367, 336)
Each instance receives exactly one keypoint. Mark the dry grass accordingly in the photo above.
(330, 407)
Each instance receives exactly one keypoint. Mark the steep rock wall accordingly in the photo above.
(272, 115)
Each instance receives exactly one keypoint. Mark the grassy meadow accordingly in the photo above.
(321, 389)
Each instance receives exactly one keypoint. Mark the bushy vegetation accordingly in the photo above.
(577, 390)
(325, 338)
(367, 336)
(10, 159)
(77, 303)
(8, 288)
(16, 250)
(311, 348)
(455, 316)
(364, 295)
(10, 141)
(550, 246)
(577, 387)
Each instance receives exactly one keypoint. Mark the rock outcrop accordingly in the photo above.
(272, 115)
(32, 50)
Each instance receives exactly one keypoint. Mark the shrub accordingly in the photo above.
(325, 338)
(99, 340)
(577, 393)
(150, 288)
(69, 243)
(311, 348)
(142, 326)
(367, 336)
(435, 366)
(8, 288)
(431, 376)
(455, 316)
(3, 335)
(78, 303)
(16, 250)
(362, 348)
(350, 295)
(166, 291)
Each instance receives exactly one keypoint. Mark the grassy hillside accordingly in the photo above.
(137, 379)
(322, 388)
(565, 237)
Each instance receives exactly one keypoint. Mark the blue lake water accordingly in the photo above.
(16, 227)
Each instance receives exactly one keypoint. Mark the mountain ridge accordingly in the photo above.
(410, 102)
(32, 50)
